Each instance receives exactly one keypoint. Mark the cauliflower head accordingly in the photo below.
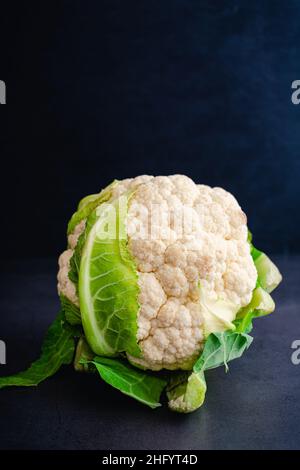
(188, 265)
(159, 273)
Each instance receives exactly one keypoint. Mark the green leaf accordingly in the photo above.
(72, 312)
(220, 348)
(186, 392)
(261, 304)
(58, 349)
(244, 324)
(269, 276)
(142, 386)
(255, 253)
(108, 282)
(87, 199)
(83, 356)
(87, 207)
(75, 260)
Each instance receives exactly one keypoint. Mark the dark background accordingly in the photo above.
(98, 90)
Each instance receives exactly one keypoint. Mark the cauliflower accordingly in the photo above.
(159, 273)
(200, 239)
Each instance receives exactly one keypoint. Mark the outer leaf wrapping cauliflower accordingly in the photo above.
(198, 244)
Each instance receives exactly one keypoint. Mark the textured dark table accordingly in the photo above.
(255, 406)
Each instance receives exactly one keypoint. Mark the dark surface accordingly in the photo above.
(107, 89)
(255, 406)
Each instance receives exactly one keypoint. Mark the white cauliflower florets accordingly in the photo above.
(64, 285)
(73, 237)
(198, 236)
(207, 245)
